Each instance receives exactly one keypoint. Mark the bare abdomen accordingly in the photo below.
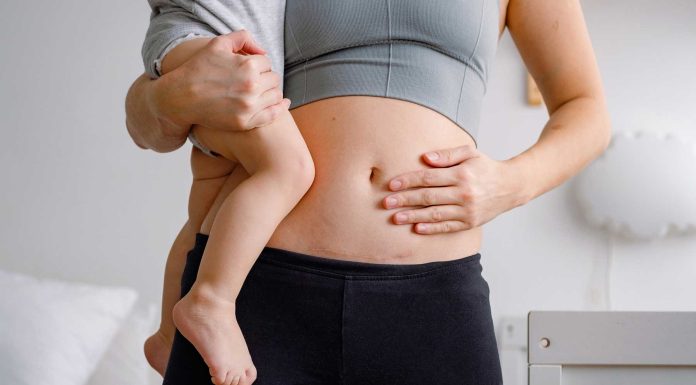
(358, 143)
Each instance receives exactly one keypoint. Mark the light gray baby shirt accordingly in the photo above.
(174, 21)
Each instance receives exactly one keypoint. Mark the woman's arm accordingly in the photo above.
(148, 128)
(553, 41)
(220, 87)
(160, 113)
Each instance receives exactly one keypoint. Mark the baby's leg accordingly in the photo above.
(281, 171)
(158, 346)
(211, 178)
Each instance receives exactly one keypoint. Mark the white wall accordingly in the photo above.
(79, 200)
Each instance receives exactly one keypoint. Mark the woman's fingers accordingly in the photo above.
(450, 156)
(428, 177)
(477, 190)
(270, 103)
(269, 97)
(435, 219)
(243, 41)
(431, 214)
(269, 114)
(269, 80)
(423, 197)
(441, 227)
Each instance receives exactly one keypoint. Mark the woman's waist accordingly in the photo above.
(357, 229)
(359, 136)
(358, 145)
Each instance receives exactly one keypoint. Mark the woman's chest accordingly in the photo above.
(464, 29)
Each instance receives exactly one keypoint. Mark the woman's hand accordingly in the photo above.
(465, 190)
(227, 84)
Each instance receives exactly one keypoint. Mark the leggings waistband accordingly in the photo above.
(345, 267)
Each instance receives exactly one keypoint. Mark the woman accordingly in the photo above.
(345, 291)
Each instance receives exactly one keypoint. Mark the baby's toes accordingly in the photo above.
(218, 375)
(232, 378)
(249, 376)
(218, 380)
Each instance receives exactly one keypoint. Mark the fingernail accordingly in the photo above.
(391, 202)
(400, 217)
(422, 226)
(432, 155)
(396, 184)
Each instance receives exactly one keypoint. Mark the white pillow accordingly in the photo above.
(124, 362)
(643, 186)
(54, 332)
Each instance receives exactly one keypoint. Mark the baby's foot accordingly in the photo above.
(210, 324)
(157, 348)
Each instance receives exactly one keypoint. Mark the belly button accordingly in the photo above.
(372, 173)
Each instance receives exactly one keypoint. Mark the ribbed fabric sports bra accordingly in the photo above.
(433, 53)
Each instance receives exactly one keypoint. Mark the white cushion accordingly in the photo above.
(643, 186)
(124, 362)
(55, 332)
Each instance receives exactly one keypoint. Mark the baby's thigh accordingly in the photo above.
(204, 167)
(260, 147)
(207, 195)
(210, 176)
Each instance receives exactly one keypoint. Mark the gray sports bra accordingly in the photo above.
(434, 53)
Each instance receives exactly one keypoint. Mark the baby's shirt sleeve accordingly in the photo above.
(172, 22)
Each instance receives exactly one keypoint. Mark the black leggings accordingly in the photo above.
(311, 320)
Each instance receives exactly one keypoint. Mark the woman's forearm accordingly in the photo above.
(148, 128)
(576, 133)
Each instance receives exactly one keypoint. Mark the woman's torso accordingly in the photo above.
(358, 143)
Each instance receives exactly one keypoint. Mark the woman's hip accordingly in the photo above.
(328, 321)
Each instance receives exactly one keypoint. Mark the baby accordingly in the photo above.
(280, 171)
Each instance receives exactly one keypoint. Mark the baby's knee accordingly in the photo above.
(294, 168)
